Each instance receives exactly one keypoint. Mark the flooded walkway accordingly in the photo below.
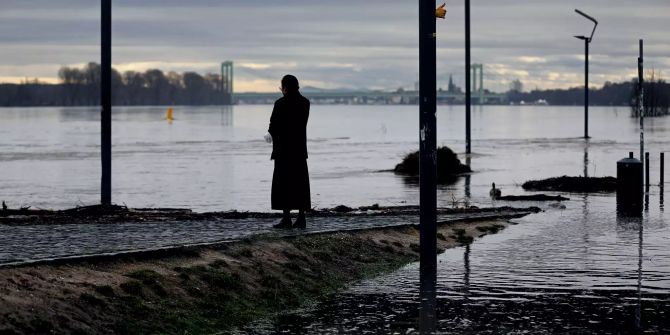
(579, 270)
(29, 243)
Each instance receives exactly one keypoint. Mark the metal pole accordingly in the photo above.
(106, 99)
(428, 171)
(586, 89)
(646, 171)
(428, 140)
(468, 93)
(640, 96)
(662, 172)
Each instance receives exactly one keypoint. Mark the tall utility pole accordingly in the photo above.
(640, 98)
(427, 134)
(468, 93)
(587, 41)
(428, 170)
(106, 99)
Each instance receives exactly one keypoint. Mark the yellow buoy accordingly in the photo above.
(169, 114)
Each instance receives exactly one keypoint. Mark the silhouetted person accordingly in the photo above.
(288, 130)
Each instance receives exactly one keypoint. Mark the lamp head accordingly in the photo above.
(595, 23)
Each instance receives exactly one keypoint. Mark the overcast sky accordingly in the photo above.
(337, 43)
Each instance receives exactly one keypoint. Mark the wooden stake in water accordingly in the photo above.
(662, 172)
(646, 171)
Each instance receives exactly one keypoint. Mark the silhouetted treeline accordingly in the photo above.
(81, 87)
(656, 96)
(611, 94)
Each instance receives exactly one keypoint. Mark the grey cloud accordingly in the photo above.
(378, 37)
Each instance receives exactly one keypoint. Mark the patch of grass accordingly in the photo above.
(461, 237)
(220, 300)
(448, 165)
(572, 184)
(150, 278)
(105, 290)
(491, 229)
(91, 299)
(132, 287)
(441, 236)
(147, 276)
(246, 253)
(41, 326)
(222, 280)
(415, 247)
(293, 266)
(270, 281)
(220, 263)
(324, 256)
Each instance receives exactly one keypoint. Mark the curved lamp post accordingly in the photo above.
(587, 40)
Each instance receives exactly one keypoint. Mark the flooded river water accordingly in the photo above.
(578, 269)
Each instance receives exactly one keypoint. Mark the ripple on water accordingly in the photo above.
(555, 272)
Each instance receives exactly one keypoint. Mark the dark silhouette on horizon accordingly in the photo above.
(81, 87)
(288, 131)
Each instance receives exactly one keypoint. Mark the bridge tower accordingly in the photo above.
(478, 85)
(227, 82)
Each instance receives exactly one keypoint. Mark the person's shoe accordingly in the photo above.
(300, 222)
(283, 224)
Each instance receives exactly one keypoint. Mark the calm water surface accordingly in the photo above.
(579, 269)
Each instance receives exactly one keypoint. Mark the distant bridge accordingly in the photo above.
(371, 97)
(400, 97)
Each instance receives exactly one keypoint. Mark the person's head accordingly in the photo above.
(289, 84)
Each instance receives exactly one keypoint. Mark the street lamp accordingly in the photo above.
(586, 40)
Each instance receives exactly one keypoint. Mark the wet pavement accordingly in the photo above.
(582, 270)
(27, 243)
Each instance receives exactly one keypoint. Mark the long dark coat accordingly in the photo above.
(288, 127)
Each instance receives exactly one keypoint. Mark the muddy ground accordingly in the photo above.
(207, 289)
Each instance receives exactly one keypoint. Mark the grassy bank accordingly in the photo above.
(207, 289)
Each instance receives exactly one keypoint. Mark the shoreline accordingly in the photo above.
(112, 214)
(210, 288)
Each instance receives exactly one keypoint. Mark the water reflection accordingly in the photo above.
(660, 198)
(468, 176)
(227, 116)
(586, 158)
(625, 224)
(638, 314)
(646, 202)
(428, 297)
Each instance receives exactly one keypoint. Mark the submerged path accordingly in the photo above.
(22, 244)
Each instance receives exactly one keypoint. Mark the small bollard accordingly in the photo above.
(646, 170)
(662, 168)
(629, 186)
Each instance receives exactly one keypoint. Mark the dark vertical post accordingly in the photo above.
(586, 89)
(427, 148)
(106, 99)
(662, 172)
(640, 95)
(468, 93)
(428, 140)
(646, 171)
